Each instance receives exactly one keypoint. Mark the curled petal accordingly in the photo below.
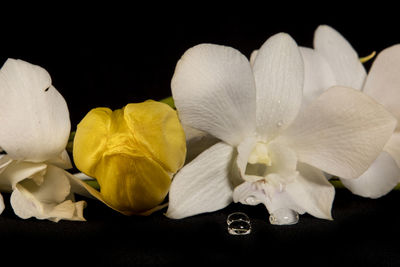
(342, 132)
(312, 192)
(62, 161)
(203, 185)
(51, 200)
(18, 171)
(214, 91)
(34, 116)
(380, 178)
(4, 162)
(341, 57)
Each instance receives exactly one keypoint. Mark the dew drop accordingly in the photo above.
(250, 200)
(237, 216)
(239, 228)
(284, 217)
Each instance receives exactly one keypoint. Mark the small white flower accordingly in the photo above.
(333, 61)
(269, 152)
(35, 127)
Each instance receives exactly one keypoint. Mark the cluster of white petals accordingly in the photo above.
(35, 127)
(333, 61)
(282, 120)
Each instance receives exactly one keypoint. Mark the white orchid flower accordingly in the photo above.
(333, 61)
(278, 152)
(35, 127)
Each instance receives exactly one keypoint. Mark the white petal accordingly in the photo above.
(341, 56)
(318, 75)
(34, 116)
(62, 161)
(249, 193)
(383, 81)
(312, 191)
(278, 72)
(5, 160)
(2, 207)
(253, 57)
(393, 147)
(284, 159)
(196, 142)
(243, 153)
(341, 133)
(17, 171)
(203, 185)
(213, 89)
(49, 200)
(380, 178)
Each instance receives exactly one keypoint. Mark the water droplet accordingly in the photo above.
(284, 217)
(237, 216)
(239, 228)
(250, 200)
(279, 123)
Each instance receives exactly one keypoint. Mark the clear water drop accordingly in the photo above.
(250, 200)
(237, 216)
(284, 217)
(239, 227)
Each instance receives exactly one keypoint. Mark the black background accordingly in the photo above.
(112, 56)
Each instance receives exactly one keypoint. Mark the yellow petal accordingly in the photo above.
(156, 126)
(91, 139)
(132, 153)
(132, 184)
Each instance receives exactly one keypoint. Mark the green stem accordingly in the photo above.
(169, 101)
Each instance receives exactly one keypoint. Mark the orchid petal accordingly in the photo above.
(383, 81)
(341, 56)
(342, 132)
(243, 153)
(393, 147)
(284, 160)
(33, 115)
(312, 191)
(213, 89)
(318, 75)
(50, 200)
(196, 142)
(253, 57)
(18, 171)
(5, 160)
(62, 161)
(203, 185)
(2, 207)
(278, 72)
(249, 193)
(380, 178)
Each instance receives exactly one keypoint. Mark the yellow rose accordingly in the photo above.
(133, 153)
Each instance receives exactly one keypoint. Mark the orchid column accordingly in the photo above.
(269, 153)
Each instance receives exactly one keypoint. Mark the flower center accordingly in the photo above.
(259, 160)
(260, 154)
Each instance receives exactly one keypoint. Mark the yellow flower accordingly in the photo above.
(133, 153)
